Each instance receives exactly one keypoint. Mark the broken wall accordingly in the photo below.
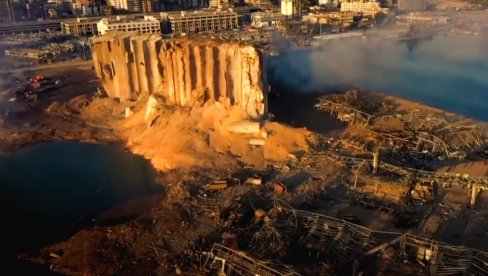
(183, 71)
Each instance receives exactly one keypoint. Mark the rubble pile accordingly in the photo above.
(412, 130)
(30, 91)
(184, 72)
(260, 224)
(332, 242)
(311, 242)
(447, 179)
(44, 47)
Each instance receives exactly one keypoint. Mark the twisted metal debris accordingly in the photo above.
(341, 241)
(347, 241)
(448, 179)
(419, 132)
(232, 262)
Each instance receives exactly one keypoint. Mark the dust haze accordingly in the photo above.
(437, 70)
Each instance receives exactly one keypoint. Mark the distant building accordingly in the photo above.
(80, 27)
(34, 9)
(35, 54)
(130, 5)
(86, 7)
(287, 7)
(367, 8)
(265, 4)
(411, 5)
(215, 4)
(266, 19)
(290, 8)
(192, 4)
(329, 3)
(56, 8)
(332, 18)
(6, 11)
(358, 6)
(145, 6)
(201, 21)
(146, 25)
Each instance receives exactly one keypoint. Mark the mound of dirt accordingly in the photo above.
(200, 137)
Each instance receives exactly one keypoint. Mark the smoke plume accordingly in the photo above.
(447, 71)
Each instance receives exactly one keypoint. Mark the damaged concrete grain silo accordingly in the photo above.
(182, 71)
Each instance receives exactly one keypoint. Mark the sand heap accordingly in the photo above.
(206, 137)
(183, 71)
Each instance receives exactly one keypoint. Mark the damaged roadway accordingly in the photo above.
(302, 203)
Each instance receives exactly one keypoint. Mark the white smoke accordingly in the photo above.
(448, 71)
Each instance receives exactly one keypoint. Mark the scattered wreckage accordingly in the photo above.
(34, 89)
(311, 243)
(335, 241)
(446, 179)
(227, 261)
(413, 130)
(410, 184)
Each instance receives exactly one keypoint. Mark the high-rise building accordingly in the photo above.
(290, 8)
(77, 4)
(129, 5)
(135, 5)
(6, 11)
(145, 6)
(286, 7)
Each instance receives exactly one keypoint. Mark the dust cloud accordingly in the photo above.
(446, 70)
